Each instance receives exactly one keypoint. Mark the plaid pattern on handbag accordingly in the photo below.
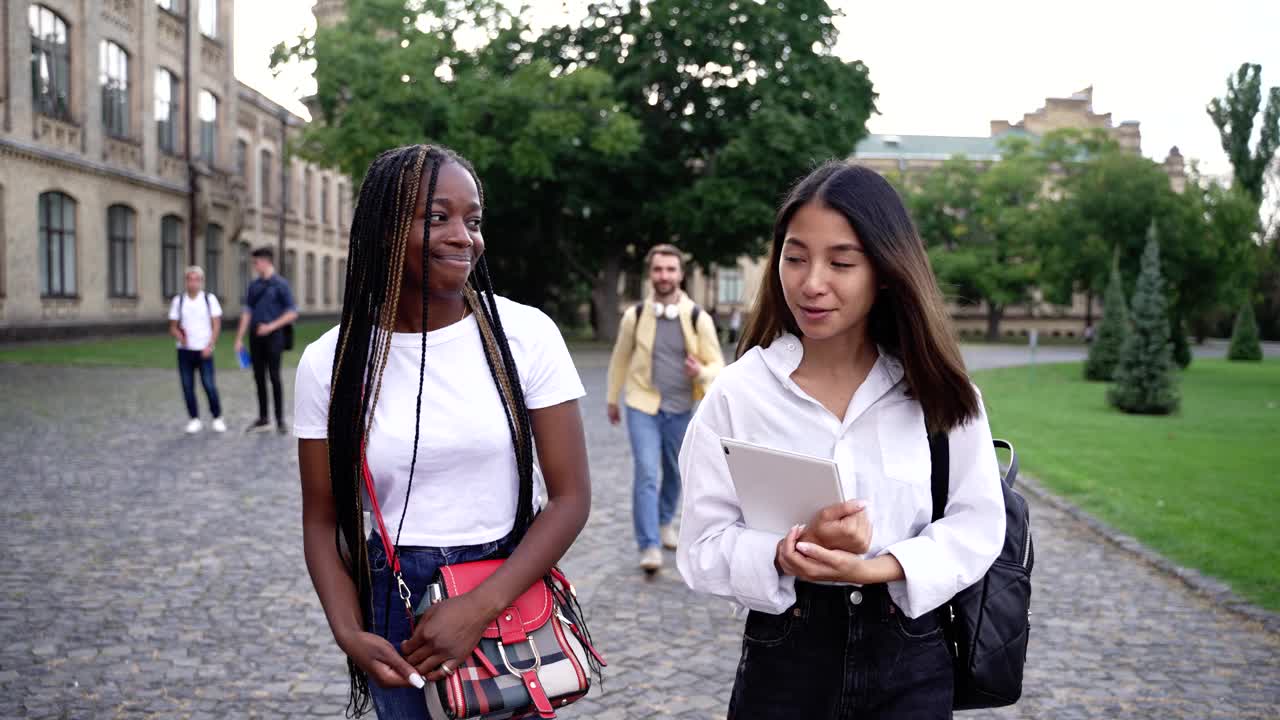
(550, 668)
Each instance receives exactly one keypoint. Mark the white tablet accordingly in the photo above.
(778, 489)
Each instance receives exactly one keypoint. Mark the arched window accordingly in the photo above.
(311, 279)
(244, 268)
(326, 279)
(122, 224)
(168, 100)
(113, 76)
(170, 255)
(50, 62)
(342, 281)
(213, 258)
(209, 18)
(264, 176)
(208, 127)
(57, 246)
(324, 200)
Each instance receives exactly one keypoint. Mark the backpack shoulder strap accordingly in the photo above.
(207, 307)
(940, 480)
(697, 310)
(639, 308)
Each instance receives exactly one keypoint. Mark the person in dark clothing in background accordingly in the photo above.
(267, 309)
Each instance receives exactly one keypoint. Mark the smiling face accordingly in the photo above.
(455, 242)
(827, 279)
(665, 274)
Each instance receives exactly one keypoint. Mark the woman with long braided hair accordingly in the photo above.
(445, 389)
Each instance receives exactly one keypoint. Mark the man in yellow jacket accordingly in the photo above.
(667, 353)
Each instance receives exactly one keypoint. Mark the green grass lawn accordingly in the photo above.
(1202, 487)
(144, 351)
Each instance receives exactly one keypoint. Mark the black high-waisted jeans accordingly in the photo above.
(842, 652)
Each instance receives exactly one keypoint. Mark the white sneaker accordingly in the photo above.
(219, 426)
(194, 426)
(669, 537)
(651, 559)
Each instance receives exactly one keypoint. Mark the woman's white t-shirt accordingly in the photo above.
(465, 483)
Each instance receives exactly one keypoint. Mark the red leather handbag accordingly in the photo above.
(534, 657)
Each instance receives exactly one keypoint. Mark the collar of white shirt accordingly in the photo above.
(783, 356)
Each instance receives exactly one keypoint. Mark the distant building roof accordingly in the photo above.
(932, 147)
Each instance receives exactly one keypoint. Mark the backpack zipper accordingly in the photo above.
(1026, 549)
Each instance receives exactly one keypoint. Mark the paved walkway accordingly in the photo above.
(147, 574)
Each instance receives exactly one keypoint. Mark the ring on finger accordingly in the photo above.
(444, 668)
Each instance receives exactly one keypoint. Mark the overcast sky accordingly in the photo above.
(949, 68)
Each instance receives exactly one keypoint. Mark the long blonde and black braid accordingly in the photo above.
(379, 239)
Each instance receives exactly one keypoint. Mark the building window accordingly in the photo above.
(306, 193)
(170, 255)
(326, 279)
(728, 286)
(209, 18)
(290, 265)
(57, 247)
(242, 159)
(244, 268)
(114, 78)
(50, 62)
(342, 205)
(342, 281)
(264, 176)
(167, 101)
(208, 127)
(213, 258)
(324, 200)
(121, 259)
(311, 278)
(286, 188)
(173, 6)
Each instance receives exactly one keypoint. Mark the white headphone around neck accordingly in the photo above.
(670, 312)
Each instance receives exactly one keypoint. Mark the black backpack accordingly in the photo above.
(988, 623)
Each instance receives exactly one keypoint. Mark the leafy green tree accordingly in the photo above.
(1244, 338)
(645, 122)
(1104, 353)
(1145, 380)
(1234, 115)
(736, 101)
(983, 228)
(539, 138)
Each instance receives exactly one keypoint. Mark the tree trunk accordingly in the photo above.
(994, 314)
(604, 299)
(1088, 309)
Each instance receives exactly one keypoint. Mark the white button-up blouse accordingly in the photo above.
(882, 450)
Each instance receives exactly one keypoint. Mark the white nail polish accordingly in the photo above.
(417, 681)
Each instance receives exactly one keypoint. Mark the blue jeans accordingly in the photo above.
(188, 361)
(655, 442)
(418, 565)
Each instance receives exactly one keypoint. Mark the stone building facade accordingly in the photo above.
(128, 150)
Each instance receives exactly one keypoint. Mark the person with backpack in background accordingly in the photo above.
(668, 353)
(195, 320)
(268, 313)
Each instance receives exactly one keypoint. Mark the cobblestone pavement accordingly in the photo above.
(147, 574)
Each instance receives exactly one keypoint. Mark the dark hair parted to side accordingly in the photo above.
(264, 252)
(379, 239)
(908, 318)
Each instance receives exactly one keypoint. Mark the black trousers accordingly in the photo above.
(842, 652)
(265, 352)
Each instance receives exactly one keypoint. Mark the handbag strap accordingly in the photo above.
(393, 557)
